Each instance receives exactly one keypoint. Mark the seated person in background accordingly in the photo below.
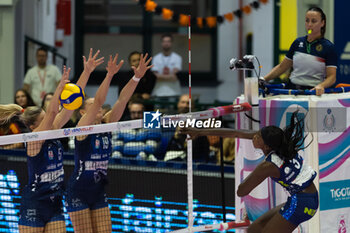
(23, 99)
(313, 58)
(147, 83)
(168, 133)
(106, 108)
(46, 100)
(137, 143)
(176, 149)
(228, 145)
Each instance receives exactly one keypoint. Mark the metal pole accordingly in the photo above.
(223, 196)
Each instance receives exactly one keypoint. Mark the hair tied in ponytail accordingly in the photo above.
(22, 111)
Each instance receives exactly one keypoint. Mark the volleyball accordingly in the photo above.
(72, 96)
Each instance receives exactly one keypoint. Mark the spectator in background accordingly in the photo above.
(177, 147)
(106, 108)
(41, 78)
(46, 100)
(183, 105)
(137, 143)
(166, 66)
(147, 83)
(228, 145)
(23, 98)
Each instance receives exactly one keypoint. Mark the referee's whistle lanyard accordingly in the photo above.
(309, 44)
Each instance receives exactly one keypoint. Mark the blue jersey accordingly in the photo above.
(310, 60)
(91, 161)
(46, 171)
(295, 176)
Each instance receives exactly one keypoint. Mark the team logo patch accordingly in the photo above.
(97, 144)
(319, 48)
(329, 121)
(50, 154)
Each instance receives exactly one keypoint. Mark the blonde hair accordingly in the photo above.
(30, 115)
(8, 111)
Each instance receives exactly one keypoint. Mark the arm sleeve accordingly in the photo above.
(179, 63)
(27, 78)
(332, 58)
(291, 50)
(156, 64)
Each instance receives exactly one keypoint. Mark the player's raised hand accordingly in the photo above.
(64, 78)
(113, 67)
(92, 62)
(143, 66)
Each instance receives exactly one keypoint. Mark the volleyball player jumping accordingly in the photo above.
(41, 205)
(86, 198)
(285, 166)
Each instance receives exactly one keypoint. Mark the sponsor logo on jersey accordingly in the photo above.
(50, 154)
(319, 48)
(97, 143)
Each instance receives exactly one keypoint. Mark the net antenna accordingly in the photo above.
(189, 140)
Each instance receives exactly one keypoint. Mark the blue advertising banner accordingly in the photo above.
(335, 195)
(342, 39)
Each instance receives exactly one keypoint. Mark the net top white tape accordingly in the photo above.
(110, 127)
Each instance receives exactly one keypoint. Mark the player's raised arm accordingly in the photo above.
(115, 114)
(53, 108)
(221, 132)
(89, 66)
(112, 68)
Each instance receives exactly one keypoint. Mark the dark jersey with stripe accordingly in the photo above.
(310, 60)
(294, 174)
(45, 171)
(91, 161)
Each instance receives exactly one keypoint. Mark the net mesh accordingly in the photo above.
(58, 180)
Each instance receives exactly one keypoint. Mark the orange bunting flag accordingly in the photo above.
(211, 21)
(247, 9)
(150, 5)
(167, 14)
(229, 16)
(184, 20)
(200, 22)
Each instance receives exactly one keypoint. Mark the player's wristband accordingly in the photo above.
(136, 79)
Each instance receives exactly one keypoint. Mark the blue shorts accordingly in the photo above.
(37, 213)
(85, 199)
(300, 207)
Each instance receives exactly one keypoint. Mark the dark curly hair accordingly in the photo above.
(286, 142)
